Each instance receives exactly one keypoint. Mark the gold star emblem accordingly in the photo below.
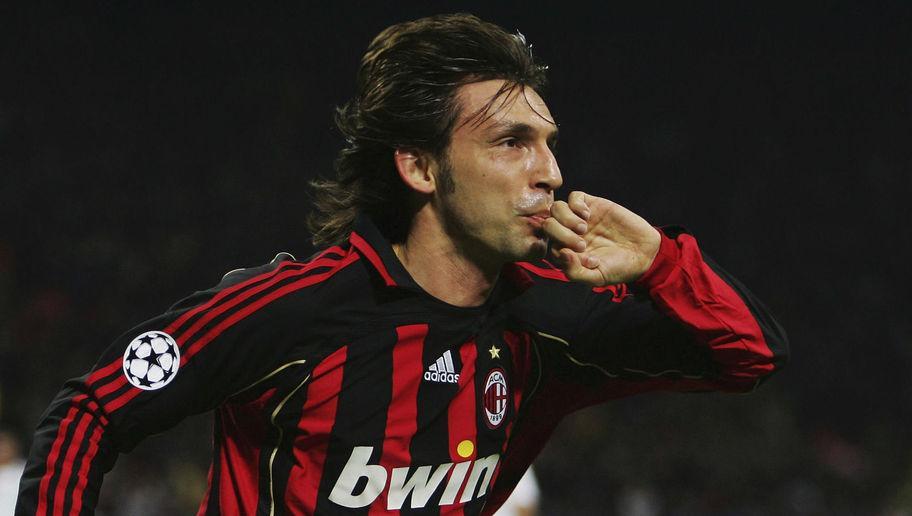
(494, 351)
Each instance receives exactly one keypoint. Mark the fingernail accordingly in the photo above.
(582, 228)
(580, 245)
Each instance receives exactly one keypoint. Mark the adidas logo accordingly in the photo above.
(442, 371)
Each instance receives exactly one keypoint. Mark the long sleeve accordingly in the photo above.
(685, 325)
(744, 341)
(184, 362)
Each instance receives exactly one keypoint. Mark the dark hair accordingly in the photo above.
(406, 98)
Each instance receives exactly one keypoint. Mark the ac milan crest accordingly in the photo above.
(496, 396)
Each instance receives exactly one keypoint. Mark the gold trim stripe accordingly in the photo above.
(279, 440)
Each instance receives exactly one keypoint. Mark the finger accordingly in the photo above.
(556, 253)
(584, 260)
(561, 257)
(589, 262)
(579, 267)
(561, 236)
(577, 202)
(566, 258)
(562, 212)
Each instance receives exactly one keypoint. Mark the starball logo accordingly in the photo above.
(420, 482)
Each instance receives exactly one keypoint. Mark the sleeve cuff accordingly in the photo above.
(666, 260)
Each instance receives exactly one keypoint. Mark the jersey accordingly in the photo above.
(340, 386)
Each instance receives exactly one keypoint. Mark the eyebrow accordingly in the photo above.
(520, 129)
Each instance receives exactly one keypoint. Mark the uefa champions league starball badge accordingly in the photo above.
(151, 360)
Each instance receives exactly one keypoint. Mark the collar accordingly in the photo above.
(367, 239)
(372, 245)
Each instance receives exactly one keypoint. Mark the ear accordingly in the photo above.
(414, 168)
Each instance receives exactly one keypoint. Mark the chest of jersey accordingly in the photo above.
(412, 416)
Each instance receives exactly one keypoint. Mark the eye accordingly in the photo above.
(510, 142)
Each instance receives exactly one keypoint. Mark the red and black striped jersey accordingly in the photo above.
(340, 386)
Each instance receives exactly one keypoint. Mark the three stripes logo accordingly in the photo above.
(442, 371)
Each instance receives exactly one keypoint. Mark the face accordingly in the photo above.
(502, 174)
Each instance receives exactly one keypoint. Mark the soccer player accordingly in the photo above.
(421, 360)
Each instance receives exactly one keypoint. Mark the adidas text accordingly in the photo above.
(443, 370)
(434, 376)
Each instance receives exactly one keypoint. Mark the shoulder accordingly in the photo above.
(322, 265)
(241, 274)
(282, 277)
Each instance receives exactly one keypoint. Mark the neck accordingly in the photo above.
(442, 268)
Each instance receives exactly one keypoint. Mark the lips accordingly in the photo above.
(537, 219)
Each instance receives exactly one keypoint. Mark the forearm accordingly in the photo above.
(71, 452)
(721, 314)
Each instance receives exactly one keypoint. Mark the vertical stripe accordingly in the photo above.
(85, 468)
(365, 394)
(50, 467)
(315, 427)
(279, 424)
(520, 350)
(402, 414)
(462, 419)
(213, 494)
(238, 457)
(520, 347)
(69, 459)
(204, 505)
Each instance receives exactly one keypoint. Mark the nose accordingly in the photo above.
(547, 174)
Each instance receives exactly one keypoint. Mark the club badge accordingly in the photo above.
(496, 395)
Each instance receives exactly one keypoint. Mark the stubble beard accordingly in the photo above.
(514, 249)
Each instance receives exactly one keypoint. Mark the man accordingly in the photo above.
(421, 360)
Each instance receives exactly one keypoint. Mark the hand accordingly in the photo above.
(598, 242)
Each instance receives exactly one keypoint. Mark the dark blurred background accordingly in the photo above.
(145, 151)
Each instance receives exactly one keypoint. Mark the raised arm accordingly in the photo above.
(647, 306)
